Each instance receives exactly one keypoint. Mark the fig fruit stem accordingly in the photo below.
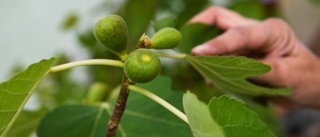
(107, 62)
(160, 101)
(123, 57)
(143, 42)
(174, 56)
(118, 108)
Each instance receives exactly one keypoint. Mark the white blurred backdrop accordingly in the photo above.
(30, 30)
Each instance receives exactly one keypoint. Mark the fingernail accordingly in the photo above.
(198, 50)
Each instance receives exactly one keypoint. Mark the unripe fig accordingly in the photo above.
(112, 32)
(142, 66)
(165, 38)
(97, 92)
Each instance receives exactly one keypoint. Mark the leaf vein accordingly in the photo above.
(13, 93)
(6, 111)
(137, 114)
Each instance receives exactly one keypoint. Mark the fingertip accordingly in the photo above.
(198, 50)
(207, 16)
(203, 49)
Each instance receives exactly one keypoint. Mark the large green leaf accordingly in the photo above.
(74, 120)
(200, 119)
(15, 93)
(142, 117)
(145, 118)
(26, 123)
(230, 74)
(236, 119)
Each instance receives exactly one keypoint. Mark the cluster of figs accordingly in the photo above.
(141, 65)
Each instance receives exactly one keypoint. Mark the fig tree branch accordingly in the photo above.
(118, 108)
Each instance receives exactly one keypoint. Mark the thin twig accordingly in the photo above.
(119, 108)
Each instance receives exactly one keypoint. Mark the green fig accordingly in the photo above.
(97, 92)
(165, 38)
(142, 65)
(112, 32)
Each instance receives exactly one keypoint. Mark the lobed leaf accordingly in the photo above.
(15, 92)
(230, 74)
(200, 120)
(223, 117)
(236, 119)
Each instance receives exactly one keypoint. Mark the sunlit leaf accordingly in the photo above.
(74, 120)
(15, 92)
(200, 119)
(230, 74)
(236, 119)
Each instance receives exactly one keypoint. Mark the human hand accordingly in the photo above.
(272, 42)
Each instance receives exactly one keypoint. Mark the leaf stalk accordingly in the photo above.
(160, 101)
(174, 56)
(107, 62)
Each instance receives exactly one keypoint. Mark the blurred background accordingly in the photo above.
(33, 30)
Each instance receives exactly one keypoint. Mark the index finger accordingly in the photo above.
(259, 37)
(221, 17)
